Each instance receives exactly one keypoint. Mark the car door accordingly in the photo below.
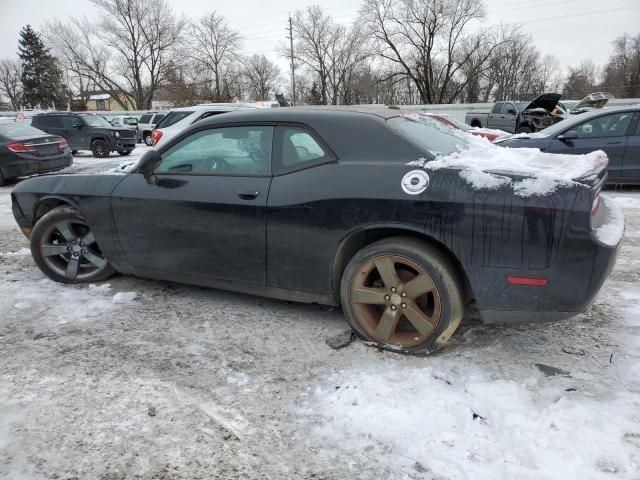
(606, 132)
(74, 131)
(508, 117)
(493, 119)
(631, 166)
(204, 214)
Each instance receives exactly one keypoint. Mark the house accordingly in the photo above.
(103, 101)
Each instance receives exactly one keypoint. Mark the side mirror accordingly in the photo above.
(148, 163)
(511, 112)
(570, 135)
(77, 125)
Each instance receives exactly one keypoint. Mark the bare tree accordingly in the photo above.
(622, 72)
(215, 48)
(427, 41)
(10, 83)
(128, 52)
(262, 76)
(581, 80)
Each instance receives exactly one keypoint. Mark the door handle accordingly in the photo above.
(248, 194)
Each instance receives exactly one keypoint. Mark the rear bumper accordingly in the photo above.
(122, 144)
(572, 282)
(24, 167)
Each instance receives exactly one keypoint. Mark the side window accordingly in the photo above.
(638, 127)
(244, 151)
(607, 126)
(299, 147)
(69, 122)
(145, 118)
(509, 109)
(156, 118)
(497, 108)
(115, 121)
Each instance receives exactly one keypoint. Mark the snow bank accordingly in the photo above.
(611, 231)
(460, 426)
(124, 297)
(486, 166)
(628, 202)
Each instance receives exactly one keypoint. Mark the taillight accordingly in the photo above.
(62, 143)
(596, 204)
(156, 136)
(19, 147)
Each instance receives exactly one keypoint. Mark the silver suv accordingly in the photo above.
(146, 124)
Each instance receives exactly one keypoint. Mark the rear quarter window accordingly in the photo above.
(157, 117)
(172, 118)
(145, 118)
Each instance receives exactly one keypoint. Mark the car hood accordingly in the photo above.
(593, 101)
(547, 101)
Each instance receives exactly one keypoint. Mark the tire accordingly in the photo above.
(74, 152)
(64, 249)
(437, 311)
(100, 148)
(125, 152)
(524, 130)
(147, 139)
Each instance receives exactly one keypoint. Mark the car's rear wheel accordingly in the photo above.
(147, 139)
(125, 152)
(99, 148)
(402, 294)
(74, 152)
(65, 249)
(524, 130)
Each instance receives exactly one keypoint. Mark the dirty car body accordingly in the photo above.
(289, 231)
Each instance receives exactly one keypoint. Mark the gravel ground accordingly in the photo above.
(139, 379)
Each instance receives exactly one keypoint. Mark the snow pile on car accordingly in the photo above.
(528, 171)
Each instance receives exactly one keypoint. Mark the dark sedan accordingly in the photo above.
(339, 207)
(616, 131)
(25, 150)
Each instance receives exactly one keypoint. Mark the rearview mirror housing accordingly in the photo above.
(569, 135)
(148, 163)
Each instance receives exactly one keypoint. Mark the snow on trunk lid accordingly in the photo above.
(528, 171)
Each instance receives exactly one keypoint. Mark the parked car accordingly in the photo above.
(146, 124)
(487, 133)
(87, 132)
(593, 101)
(124, 121)
(179, 118)
(401, 241)
(615, 131)
(502, 116)
(25, 150)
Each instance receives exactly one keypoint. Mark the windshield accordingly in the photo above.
(19, 130)
(172, 118)
(96, 121)
(430, 135)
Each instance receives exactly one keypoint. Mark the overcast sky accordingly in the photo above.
(572, 30)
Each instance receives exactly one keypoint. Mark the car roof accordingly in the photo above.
(301, 114)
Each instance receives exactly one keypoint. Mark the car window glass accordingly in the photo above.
(172, 118)
(607, 126)
(638, 128)
(115, 121)
(157, 117)
(130, 121)
(145, 118)
(497, 107)
(509, 106)
(13, 130)
(221, 151)
(68, 122)
(299, 147)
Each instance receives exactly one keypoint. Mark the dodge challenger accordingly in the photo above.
(397, 219)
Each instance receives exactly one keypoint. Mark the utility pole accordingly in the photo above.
(293, 67)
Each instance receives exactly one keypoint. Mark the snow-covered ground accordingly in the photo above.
(142, 379)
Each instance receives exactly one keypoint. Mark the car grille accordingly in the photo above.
(128, 133)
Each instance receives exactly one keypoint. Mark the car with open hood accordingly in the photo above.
(401, 221)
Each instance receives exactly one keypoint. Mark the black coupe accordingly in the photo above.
(335, 206)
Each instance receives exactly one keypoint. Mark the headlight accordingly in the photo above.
(115, 134)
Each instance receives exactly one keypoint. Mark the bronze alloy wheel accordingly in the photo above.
(395, 301)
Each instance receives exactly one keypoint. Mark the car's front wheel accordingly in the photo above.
(402, 294)
(147, 139)
(65, 249)
(100, 148)
(125, 152)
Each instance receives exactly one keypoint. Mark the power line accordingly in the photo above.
(293, 65)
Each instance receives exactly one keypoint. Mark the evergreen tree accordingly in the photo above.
(41, 75)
